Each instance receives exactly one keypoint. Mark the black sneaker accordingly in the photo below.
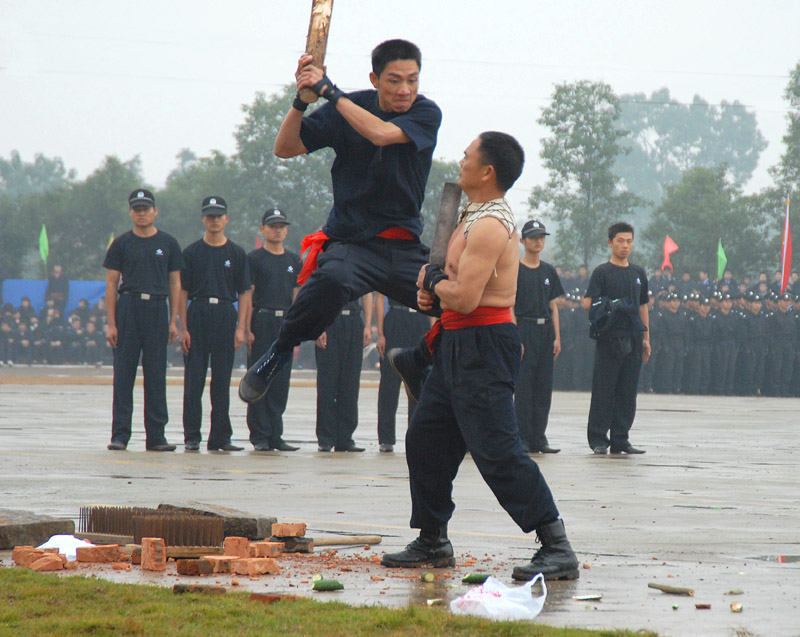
(429, 549)
(257, 379)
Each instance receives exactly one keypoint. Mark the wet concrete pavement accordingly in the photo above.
(711, 506)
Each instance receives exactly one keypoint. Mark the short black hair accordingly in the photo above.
(392, 50)
(504, 154)
(615, 228)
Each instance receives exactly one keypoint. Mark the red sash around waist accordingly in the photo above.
(452, 320)
(314, 242)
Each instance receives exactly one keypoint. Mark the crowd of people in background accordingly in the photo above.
(723, 337)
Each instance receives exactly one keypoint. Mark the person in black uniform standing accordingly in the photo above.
(148, 262)
(399, 326)
(536, 311)
(339, 354)
(273, 271)
(214, 276)
(621, 349)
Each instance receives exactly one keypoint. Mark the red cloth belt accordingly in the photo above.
(452, 320)
(314, 242)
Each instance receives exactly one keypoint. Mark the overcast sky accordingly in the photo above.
(88, 78)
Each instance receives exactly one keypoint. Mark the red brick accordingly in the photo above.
(121, 566)
(154, 554)
(237, 546)
(281, 529)
(204, 567)
(70, 566)
(266, 549)
(220, 563)
(21, 554)
(48, 562)
(255, 566)
(102, 553)
(185, 566)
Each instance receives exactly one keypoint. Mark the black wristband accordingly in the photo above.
(327, 89)
(299, 104)
(433, 274)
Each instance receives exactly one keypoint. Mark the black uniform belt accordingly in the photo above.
(538, 321)
(402, 308)
(211, 300)
(270, 311)
(144, 296)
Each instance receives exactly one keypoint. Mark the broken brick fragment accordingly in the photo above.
(48, 562)
(255, 566)
(102, 553)
(236, 546)
(282, 529)
(154, 554)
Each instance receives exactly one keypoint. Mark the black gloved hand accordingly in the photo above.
(433, 274)
(327, 89)
(299, 104)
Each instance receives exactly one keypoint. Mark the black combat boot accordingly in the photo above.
(555, 560)
(431, 548)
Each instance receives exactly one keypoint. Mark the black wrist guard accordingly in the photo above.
(299, 104)
(327, 89)
(433, 274)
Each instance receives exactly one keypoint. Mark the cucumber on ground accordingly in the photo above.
(476, 578)
(428, 577)
(327, 585)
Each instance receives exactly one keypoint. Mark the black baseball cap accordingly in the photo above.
(273, 215)
(141, 197)
(214, 205)
(533, 228)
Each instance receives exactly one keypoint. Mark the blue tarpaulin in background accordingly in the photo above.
(15, 289)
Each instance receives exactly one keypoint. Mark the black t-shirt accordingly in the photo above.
(617, 282)
(145, 262)
(375, 188)
(219, 271)
(274, 277)
(536, 287)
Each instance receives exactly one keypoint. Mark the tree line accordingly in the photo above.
(670, 168)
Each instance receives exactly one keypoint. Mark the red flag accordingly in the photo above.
(786, 252)
(669, 247)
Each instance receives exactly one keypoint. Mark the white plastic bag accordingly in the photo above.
(495, 600)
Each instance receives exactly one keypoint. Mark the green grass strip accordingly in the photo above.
(46, 604)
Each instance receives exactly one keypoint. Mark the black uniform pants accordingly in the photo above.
(614, 383)
(535, 387)
(401, 329)
(212, 328)
(345, 272)
(338, 381)
(467, 404)
(723, 364)
(143, 330)
(265, 417)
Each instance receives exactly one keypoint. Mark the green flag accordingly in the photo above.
(44, 245)
(722, 260)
